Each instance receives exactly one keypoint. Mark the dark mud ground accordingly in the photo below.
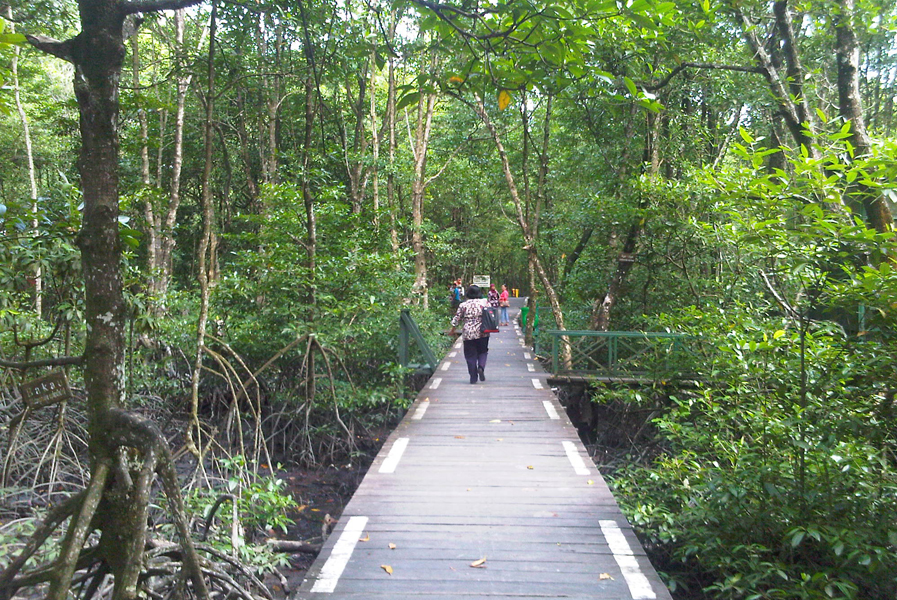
(319, 493)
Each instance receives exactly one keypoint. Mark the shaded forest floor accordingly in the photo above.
(319, 493)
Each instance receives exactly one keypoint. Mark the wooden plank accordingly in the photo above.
(478, 471)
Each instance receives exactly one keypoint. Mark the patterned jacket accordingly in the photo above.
(471, 313)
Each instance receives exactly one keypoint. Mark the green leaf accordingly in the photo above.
(630, 85)
(745, 135)
(407, 100)
(13, 38)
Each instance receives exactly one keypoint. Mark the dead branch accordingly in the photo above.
(292, 546)
(60, 361)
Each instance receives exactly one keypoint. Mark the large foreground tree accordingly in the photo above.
(116, 501)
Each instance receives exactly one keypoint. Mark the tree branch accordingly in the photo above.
(53, 47)
(711, 66)
(59, 361)
(145, 6)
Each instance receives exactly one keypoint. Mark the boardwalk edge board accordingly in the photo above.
(421, 409)
(579, 466)
(639, 586)
(395, 455)
(339, 556)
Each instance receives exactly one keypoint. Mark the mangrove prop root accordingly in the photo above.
(56, 516)
(77, 533)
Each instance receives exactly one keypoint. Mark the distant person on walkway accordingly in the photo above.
(503, 303)
(493, 296)
(476, 343)
(456, 291)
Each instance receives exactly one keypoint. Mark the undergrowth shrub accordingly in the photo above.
(778, 475)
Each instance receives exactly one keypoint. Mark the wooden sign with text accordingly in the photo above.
(46, 391)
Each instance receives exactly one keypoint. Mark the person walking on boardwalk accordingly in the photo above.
(504, 303)
(456, 291)
(493, 295)
(476, 343)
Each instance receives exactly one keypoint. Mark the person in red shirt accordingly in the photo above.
(503, 303)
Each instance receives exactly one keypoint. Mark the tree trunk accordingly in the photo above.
(166, 227)
(149, 214)
(601, 309)
(529, 239)
(311, 228)
(425, 106)
(29, 157)
(205, 253)
(791, 111)
(97, 53)
(878, 214)
(391, 139)
(375, 143)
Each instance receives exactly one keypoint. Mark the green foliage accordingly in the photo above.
(261, 503)
(778, 478)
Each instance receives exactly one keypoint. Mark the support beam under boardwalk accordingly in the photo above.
(483, 491)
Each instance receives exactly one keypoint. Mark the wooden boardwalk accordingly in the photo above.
(490, 471)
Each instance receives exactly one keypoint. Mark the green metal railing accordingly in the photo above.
(408, 331)
(619, 354)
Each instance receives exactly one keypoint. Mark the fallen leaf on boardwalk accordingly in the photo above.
(366, 538)
(500, 440)
(495, 421)
(605, 576)
(530, 467)
(316, 510)
(590, 482)
(479, 564)
(302, 507)
(386, 568)
(507, 365)
(392, 546)
(459, 437)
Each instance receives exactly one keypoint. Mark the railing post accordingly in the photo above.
(611, 352)
(403, 337)
(554, 354)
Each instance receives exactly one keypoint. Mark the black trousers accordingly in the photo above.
(475, 352)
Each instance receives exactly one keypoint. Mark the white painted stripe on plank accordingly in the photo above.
(579, 466)
(446, 365)
(395, 455)
(537, 384)
(435, 383)
(459, 343)
(527, 356)
(549, 408)
(639, 586)
(339, 556)
(531, 367)
(421, 409)
(453, 354)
